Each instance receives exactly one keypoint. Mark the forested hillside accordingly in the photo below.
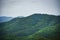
(33, 27)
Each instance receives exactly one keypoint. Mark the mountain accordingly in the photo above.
(5, 19)
(33, 27)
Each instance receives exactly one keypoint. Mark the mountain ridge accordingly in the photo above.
(22, 28)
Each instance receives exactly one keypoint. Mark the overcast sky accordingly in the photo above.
(27, 7)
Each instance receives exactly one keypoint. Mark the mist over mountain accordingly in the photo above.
(33, 27)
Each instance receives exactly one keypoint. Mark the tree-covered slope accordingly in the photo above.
(47, 33)
(34, 26)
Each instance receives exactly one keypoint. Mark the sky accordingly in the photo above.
(16, 8)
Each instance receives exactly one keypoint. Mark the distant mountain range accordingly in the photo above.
(5, 19)
(33, 27)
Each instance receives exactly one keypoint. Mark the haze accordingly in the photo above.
(28, 7)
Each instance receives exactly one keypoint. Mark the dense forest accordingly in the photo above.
(33, 27)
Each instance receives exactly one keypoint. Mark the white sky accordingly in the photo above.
(27, 7)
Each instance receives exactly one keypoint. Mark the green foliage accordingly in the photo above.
(34, 27)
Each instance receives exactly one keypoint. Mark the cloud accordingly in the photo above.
(28, 7)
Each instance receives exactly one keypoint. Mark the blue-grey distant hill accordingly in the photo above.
(5, 19)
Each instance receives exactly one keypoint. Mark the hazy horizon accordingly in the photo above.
(16, 8)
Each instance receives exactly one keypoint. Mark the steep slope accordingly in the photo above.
(21, 28)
